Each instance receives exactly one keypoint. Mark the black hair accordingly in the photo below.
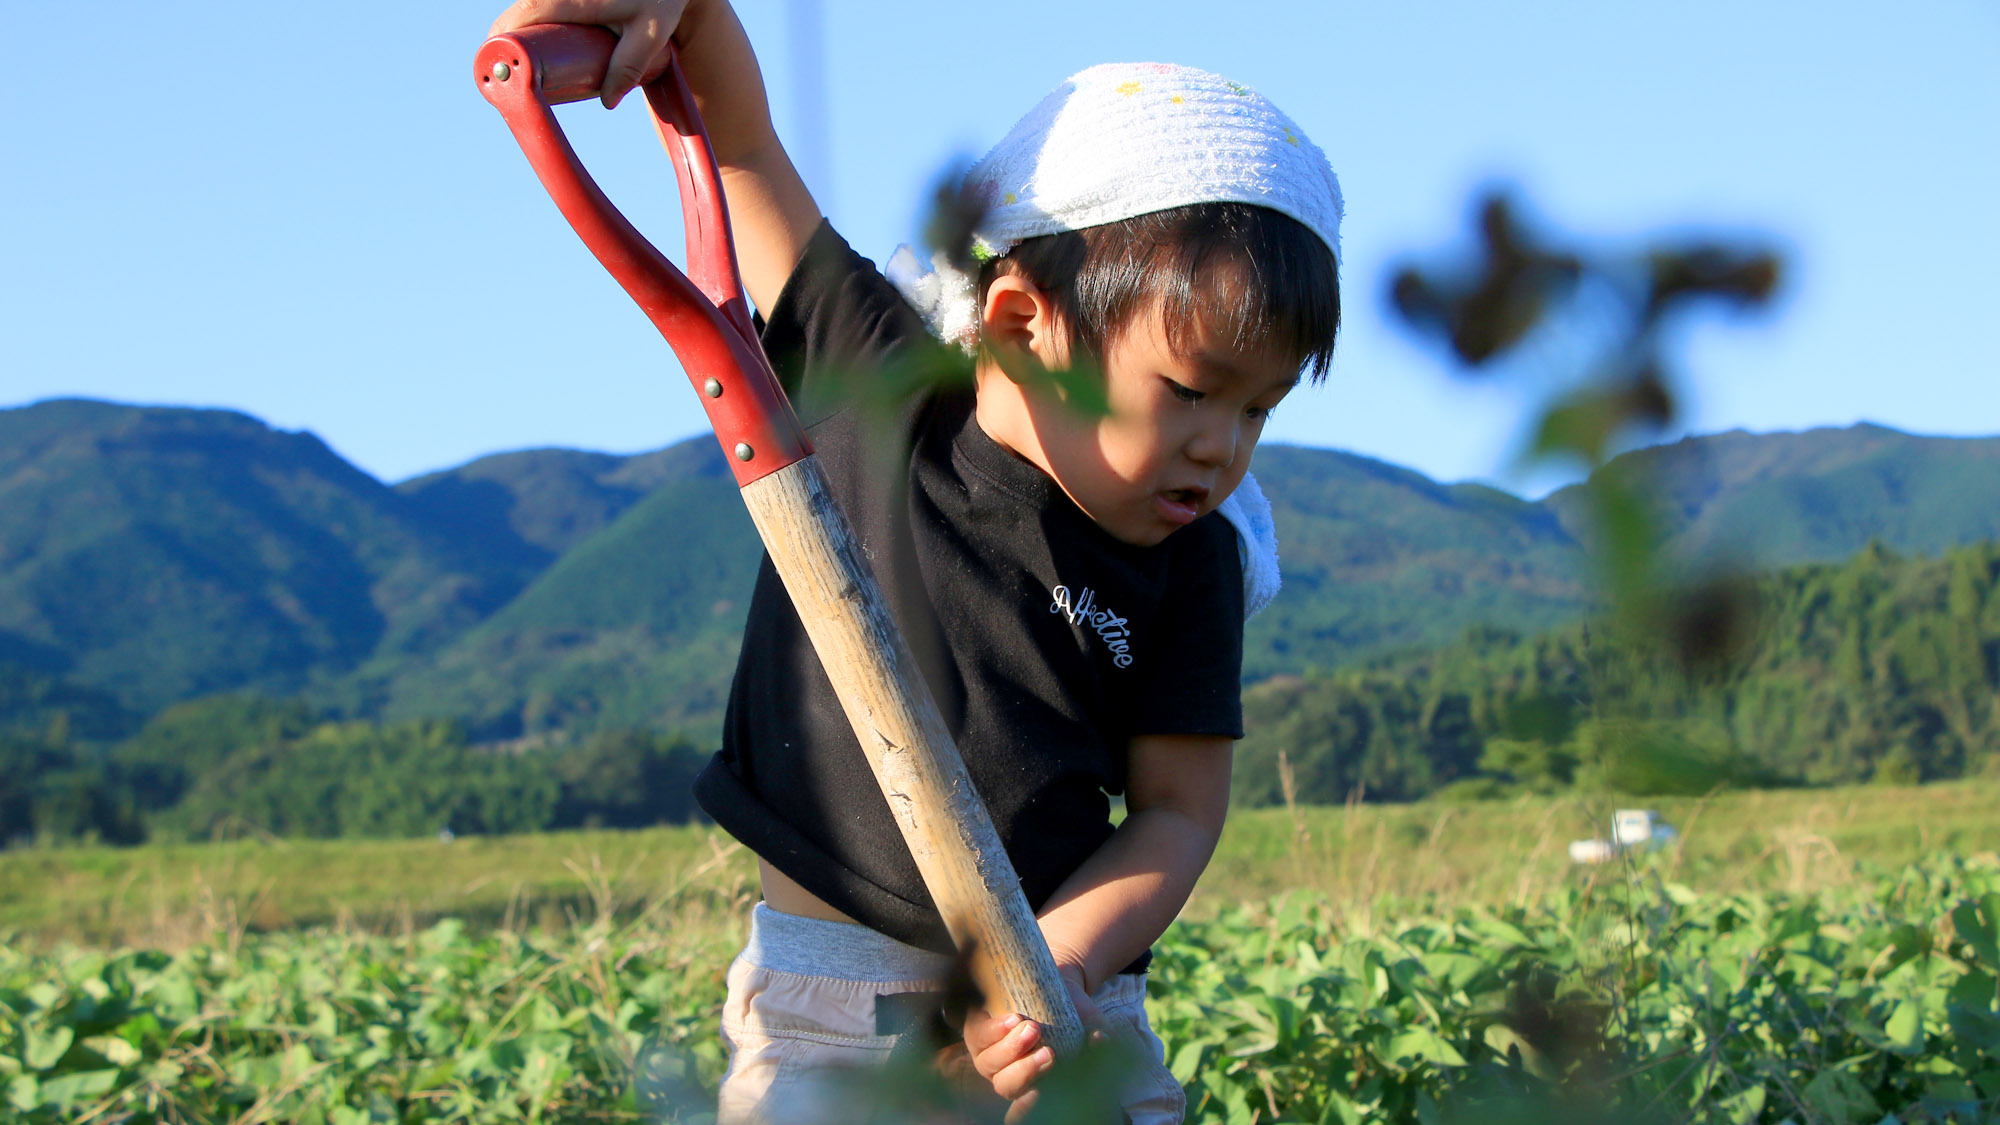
(1286, 295)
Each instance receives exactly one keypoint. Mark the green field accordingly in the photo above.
(168, 896)
(1807, 956)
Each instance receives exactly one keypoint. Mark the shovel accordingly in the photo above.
(706, 320)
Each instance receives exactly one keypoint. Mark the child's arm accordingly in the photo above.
(771, 213)
(1126, 894)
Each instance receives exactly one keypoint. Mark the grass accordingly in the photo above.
(169, 896)
(1366, 858)
(1786, 962)
(1514, 851)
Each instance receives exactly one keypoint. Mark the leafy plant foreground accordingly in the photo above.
(1634, 999)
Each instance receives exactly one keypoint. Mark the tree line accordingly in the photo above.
(244, 764)
(1881, 668)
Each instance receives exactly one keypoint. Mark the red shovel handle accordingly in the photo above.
(824, 567)
(705, 320)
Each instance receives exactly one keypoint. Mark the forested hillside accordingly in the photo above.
(1378, 558)
(1882, 667)
(636, 625)
(234, 765)
(158, 553)
(153, 554)
(549, 500)
(202, 617)
(1765, 500)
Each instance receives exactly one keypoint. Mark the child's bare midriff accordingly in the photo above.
(787, 897)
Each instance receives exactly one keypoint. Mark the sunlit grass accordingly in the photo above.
(1386, 856)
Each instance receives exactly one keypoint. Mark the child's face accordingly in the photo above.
(1179, 434)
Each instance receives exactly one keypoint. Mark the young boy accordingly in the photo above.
(1064, 575)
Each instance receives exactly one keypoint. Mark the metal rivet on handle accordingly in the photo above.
(713, 388)
(502, 71)
(743, 451)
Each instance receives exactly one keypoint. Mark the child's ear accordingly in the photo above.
(1018, 325)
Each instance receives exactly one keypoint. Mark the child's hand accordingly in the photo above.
(645, 30)
(1008, 1050)
(770, 209)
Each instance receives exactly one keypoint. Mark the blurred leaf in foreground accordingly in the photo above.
(1517, 287)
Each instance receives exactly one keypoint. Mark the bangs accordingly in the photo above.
(1253, 276)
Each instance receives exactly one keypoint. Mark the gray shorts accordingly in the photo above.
(804, 1000)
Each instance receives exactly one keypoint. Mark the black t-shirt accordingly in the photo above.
(1048, 643)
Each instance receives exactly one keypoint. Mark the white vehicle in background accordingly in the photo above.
(1631, 829)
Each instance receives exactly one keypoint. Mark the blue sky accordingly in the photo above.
(323, 224)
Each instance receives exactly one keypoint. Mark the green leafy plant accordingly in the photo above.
(1615, 1000)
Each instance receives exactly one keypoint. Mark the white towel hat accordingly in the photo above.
(1124, 139)
(1115, 142)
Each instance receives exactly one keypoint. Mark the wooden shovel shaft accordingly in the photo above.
(705, 320)
(943, 820)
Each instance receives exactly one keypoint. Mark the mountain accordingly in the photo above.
(153, 554)
(1769, 500)
(1377, 557)
(38, 705)
(637, 625)
(1882, 667)
(545, 501)
(159, 553)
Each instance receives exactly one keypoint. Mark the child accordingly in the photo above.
(1064, 575)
